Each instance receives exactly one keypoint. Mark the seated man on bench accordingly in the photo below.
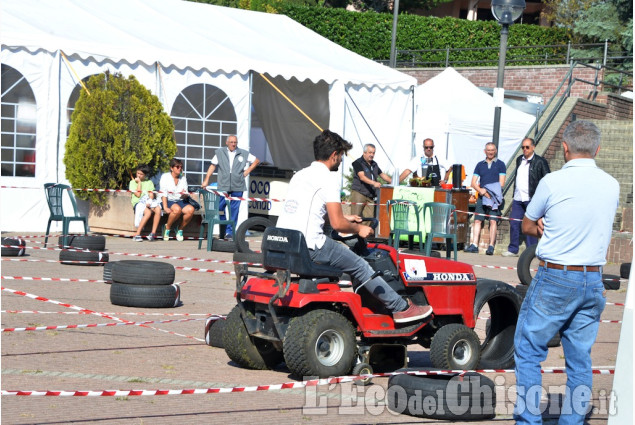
(313, 193)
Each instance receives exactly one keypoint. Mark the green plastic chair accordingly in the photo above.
(400, 217)
(211, 216)
(441, 218)
(54, 194)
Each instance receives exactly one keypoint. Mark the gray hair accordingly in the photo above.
(532, 141)
(582, 137)
(491, 143)
(369, 145)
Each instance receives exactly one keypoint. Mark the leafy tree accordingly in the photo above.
(565, 13)
(116, 127)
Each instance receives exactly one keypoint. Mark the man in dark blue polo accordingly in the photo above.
(572, 211)
(488, 180)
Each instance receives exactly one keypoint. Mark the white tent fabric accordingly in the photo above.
(459, 117)
(185, 34)
(169, 45)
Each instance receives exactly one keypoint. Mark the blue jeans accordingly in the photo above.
(234, 207)
(518, 212)
(341, 257)
(558, 301)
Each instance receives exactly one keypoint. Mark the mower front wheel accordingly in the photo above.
(247, 351)
(320, 343)
(455, 347)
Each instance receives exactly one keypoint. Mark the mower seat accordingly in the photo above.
(285, 249)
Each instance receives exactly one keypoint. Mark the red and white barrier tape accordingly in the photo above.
(51, 279)
(73, 307)
(130, 254)
(129, 313)
(99, 325)
(270, 387)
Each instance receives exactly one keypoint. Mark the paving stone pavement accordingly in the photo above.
(150, 358)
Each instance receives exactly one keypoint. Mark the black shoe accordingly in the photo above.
(490, 250)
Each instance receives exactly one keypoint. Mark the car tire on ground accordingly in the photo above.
(455, 347)
(222, 245)
(73, 257)
(469, 396)
(143, 272)
(497, 345)
(245, 350)
(523, 268)
(214, 329)
(108, 272)
(611, 282)
(145, 296)
(251, 224)
(92, 242)
(320, 343)
(16, 247)
(625, 270)
(522, 292)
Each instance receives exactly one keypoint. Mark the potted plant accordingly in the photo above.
(117, 124)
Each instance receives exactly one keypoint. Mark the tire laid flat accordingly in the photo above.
(143, 272)
(469, 396)
(16, 248)
(145, 296)
(73, 257)
(92, 242)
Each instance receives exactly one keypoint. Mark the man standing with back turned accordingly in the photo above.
(572, 211)
(313, 193)
(530, 169)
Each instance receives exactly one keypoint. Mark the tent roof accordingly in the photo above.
(187, 35)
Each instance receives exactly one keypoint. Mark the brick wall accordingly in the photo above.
(619, 108)
(543, 80)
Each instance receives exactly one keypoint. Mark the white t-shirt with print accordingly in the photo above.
(304, 209)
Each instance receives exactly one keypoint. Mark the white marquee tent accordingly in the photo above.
(459, 117)
(171, 46)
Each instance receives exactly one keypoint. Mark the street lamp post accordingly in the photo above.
(505, 12)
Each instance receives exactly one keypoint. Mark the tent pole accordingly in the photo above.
(59, 116)
(249, 100)
(413, 149)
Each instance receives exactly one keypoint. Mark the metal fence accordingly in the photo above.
(596, 53)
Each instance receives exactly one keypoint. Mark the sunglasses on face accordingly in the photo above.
(428, 147)
(178, 166)
(526, 147)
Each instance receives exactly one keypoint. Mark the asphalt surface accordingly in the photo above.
(174, 356)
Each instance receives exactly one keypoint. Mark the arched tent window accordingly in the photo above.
(18, 125)
(203, 117)
(72, 100)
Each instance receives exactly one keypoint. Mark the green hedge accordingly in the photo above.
(369, 33)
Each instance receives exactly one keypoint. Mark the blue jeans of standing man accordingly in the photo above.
(569, 302)
(341, 257)
(518, 212)
(234, 207)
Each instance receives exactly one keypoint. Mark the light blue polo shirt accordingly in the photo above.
(578, 205)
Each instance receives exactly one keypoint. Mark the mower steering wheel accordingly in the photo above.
(360, 245)
(336, 236)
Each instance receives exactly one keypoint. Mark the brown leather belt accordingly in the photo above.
(572, 268)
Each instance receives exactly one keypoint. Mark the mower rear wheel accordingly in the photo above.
(247, 351)
(320, 343)
(455, 347)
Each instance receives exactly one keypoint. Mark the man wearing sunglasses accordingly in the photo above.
(427, 166)
(530, 169)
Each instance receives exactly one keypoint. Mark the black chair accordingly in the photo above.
(285, 249)
(54, 197)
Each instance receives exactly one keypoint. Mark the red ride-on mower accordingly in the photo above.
(300, 312)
